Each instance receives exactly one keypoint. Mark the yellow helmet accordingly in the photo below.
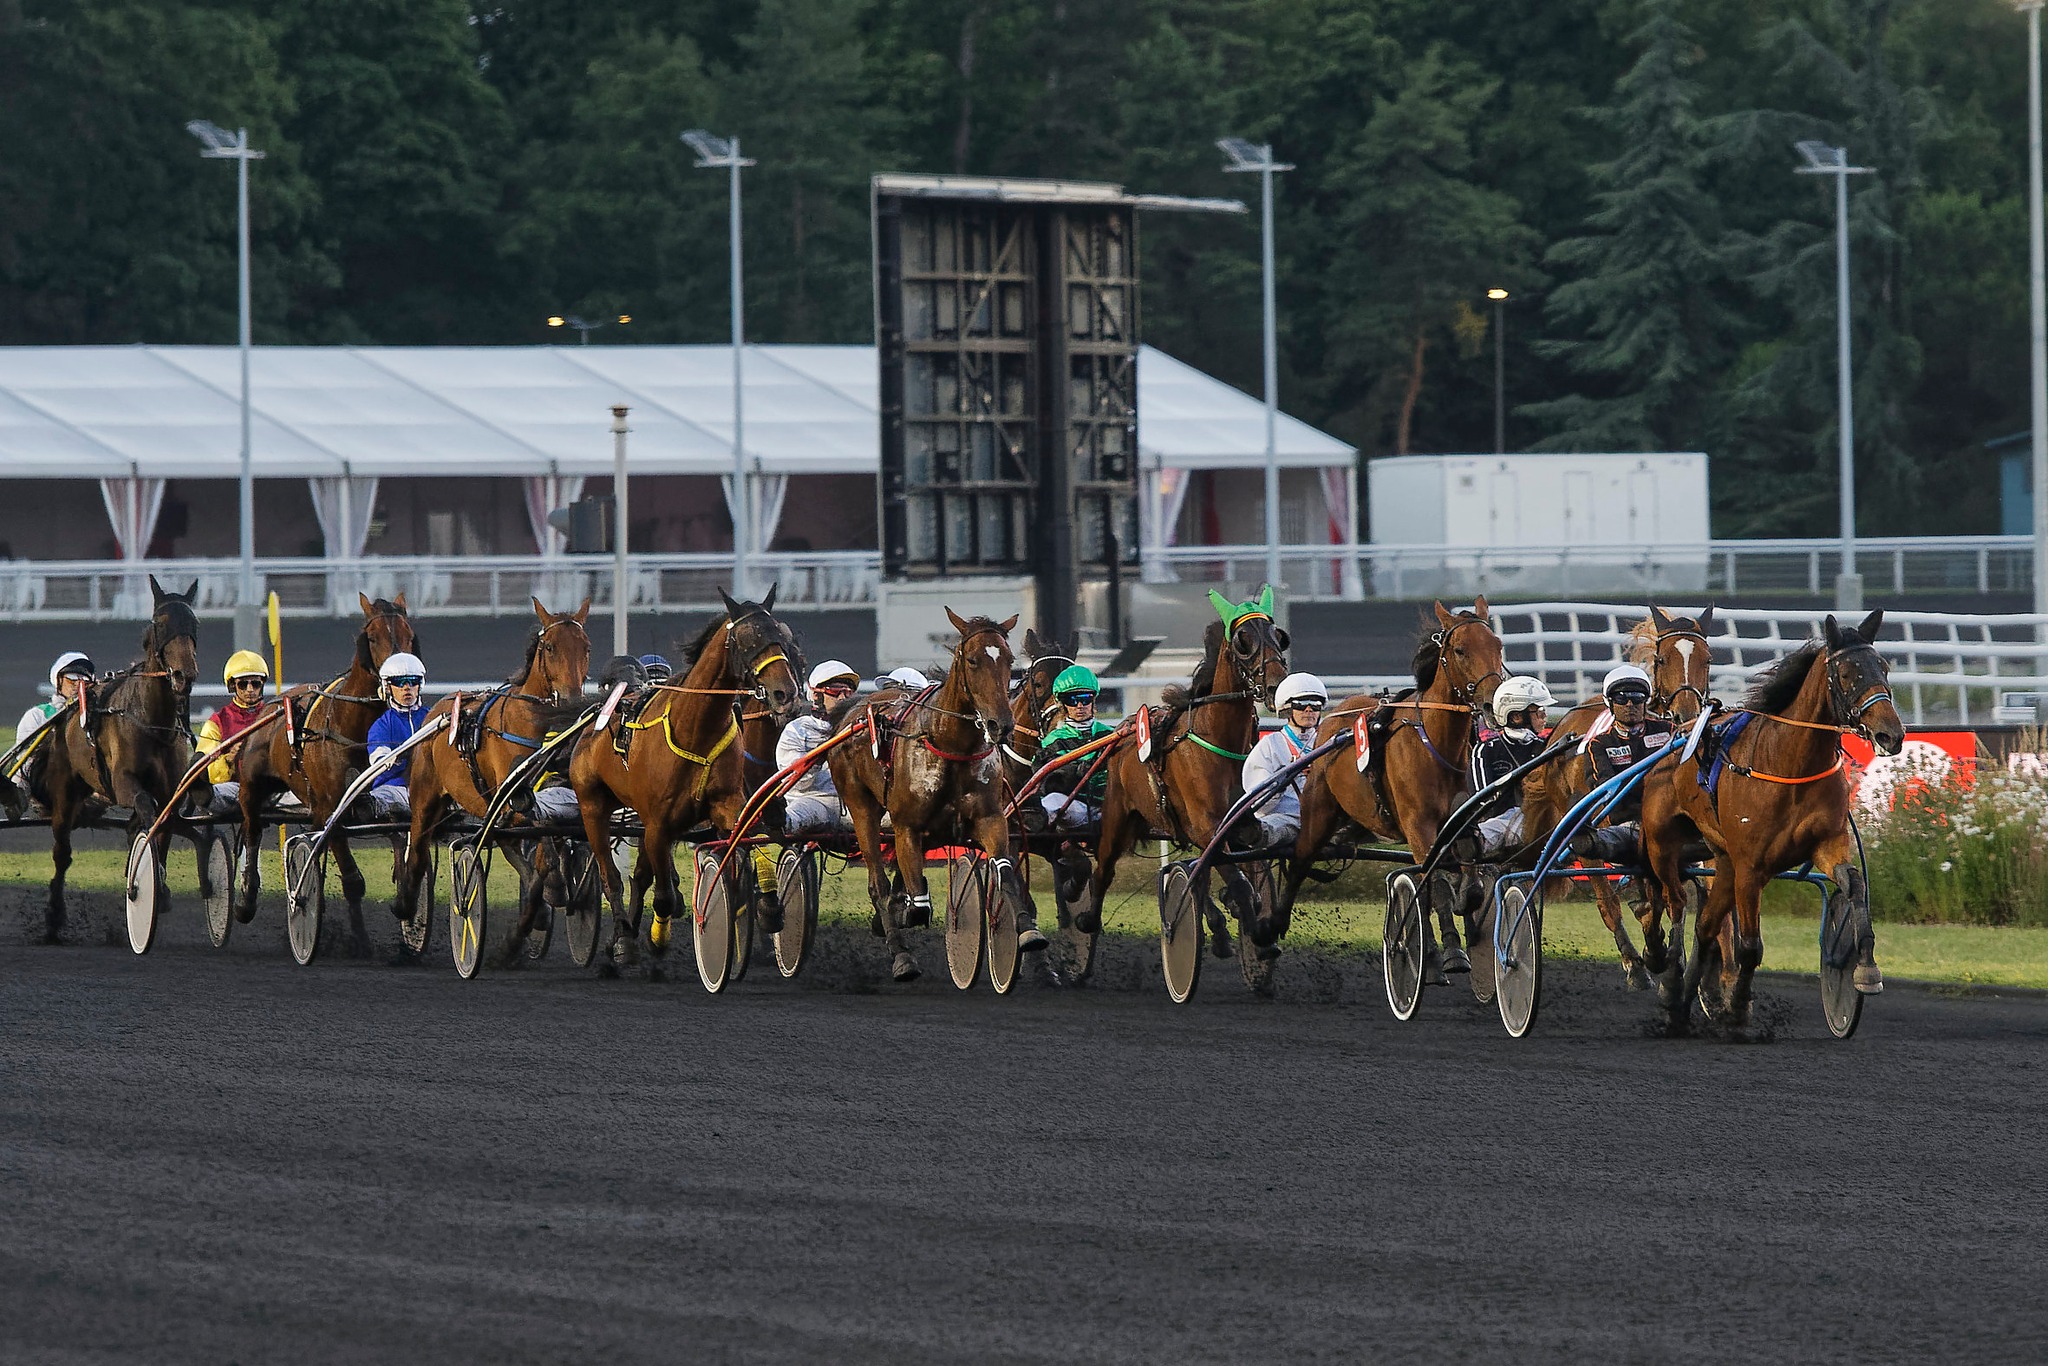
(241, 664)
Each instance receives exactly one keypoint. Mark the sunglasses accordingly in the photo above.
(1078, 699)
(833, 689)
(407, 681)
(252, 682)
(1628, 699)
(1306, 706)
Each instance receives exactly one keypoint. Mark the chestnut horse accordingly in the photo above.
(683, 763)
(1425, 741)
(513, 721)
(1782, 802)
(130, 742)
(1195, 772)
(331, 730)
(1673, 650)
(944, 772)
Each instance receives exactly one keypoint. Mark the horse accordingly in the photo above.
(1195, 771)
(1782, 802)
(1673, 650)
(943, 771)
(1031, 706)
(679, 762)
(320, 752)
(129, 743)
(510, 723)
(1423, 742)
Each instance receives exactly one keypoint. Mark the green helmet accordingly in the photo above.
(1075, 678)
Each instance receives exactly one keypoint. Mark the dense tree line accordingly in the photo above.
(456, 170)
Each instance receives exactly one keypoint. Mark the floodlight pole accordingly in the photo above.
(1244, 159)
(714, 152)
(2038, 278)
(1834, 161)
(621, 584)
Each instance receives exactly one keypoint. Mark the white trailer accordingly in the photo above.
(1538, 524)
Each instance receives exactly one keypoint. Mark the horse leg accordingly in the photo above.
(596, 812)
(1748, 952)
(529, 904)
(1118, 831)
(353, 885)
(62, 813)
(657, 865)
(1839, 857)
(1706, 954)
(1320, 816)
(992, 833)
(867, 833)
(1633, 969)
(913, 905)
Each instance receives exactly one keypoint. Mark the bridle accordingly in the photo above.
(555, 695)
(1662, 702)
(1848, 711)
(1252, 664)
(959, 670)
(1468, 693)
(761, 654)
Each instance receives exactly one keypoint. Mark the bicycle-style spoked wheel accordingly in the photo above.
(711, 922)
(305, 897)
(965, 918)
(469, 908)
(1404, 940)
(586, 904)
(217, 855)
(1518, 935)
(1255, 964)
(144, 892)
(797, 876)
(1180, 932)
(1003, 900)
(745, 921)
(1839, 999)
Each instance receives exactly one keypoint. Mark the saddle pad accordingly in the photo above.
(1361, 738)
(1721, 737)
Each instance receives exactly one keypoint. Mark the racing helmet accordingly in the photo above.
(243, 664)
(71, 662)
(1300, 687)
(400, 665)
(655, 668)
(1517, 694)
(906, 677)
(1075, 678)
(833, 671)
(1626, 678)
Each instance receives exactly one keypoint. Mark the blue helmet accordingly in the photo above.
(657, 668)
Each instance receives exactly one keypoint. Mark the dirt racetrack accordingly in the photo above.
(217, 1156)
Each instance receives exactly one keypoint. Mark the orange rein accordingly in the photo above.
(1841, 759)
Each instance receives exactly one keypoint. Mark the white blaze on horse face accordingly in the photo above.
(1684, 648)
(993, 652)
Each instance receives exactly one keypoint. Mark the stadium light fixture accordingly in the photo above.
(584, 326)
(1821, 159)
(717, 153)
(1248, 158)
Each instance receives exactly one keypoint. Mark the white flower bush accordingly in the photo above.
(1947, 845)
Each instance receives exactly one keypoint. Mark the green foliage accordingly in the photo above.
(1963, 853)
(457, 170)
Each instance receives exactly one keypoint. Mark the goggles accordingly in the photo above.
(1077, 699)
(1307, 704)
(1628, 697)
(406, 681)
(834, 689)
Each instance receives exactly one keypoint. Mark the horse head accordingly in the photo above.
(1257, 647)
(1859, 683)
(981, 666)
(1468, 654)
(171, 641)
(762, 656)
(1045, 660)
(386, 631)
(560, 661)
(1676, 654)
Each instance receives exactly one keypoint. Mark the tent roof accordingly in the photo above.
(173, 411)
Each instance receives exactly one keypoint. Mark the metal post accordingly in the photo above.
(2039, 281)
(1849, 586)
(621, 583)
(246, 610)
(1272, 368)
(743, 503)
(1500, 376)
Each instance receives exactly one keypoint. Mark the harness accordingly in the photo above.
(633, 706)
(1839, 701)
(1662, 702)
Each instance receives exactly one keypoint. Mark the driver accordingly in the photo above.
(813, 804)
(247, 677)
(68, 677)
(1300, 701)
(1518, 709)
(1626, 734)
(1066, 800)
(402, 680)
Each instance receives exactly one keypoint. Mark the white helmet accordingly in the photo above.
(1517, 693)
(831, 669)
(908, 677)
(401, 665)
(1297, 688)
(70, 662)
(1621, 674)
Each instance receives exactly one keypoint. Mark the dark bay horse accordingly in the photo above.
(1673, 650)
(1031, 706)
(1195, 772)
(1782, 802)
(682, 763)
(130, 742)
(512, 722)
(933, 761)
(321, 753)
(1424, 739)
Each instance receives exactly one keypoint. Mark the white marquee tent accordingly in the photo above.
(342, 418)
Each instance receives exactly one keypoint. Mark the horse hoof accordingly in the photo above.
(1219, 944)
(1088, 921)
(904, 969)
(1635, 975)
(1455, 960)
(1868, 980)
(1031, 940)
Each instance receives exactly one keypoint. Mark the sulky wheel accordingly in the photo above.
(1072, 951)
(797, 876)
(1004, 902)
(469, 908)
(586, 904)
(1404, 941)
(418, 932)
(145, 891)
(1839, 999)
(1180, 932)
(711, 922)
(744, 918)
(1255, 964)
(965, 918)
(1518, 931)
(1485, 961)
(218, 856)
(305, 897)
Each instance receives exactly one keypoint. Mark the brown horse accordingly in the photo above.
(512, 722)
(1673, 650)
(1424, 739)
(1782, 802)
(1032, 704)
(1195, 772)
(131, 741)
(321, 753)
(682, 763)
(943, 772)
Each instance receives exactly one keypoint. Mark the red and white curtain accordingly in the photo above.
(545, 493)
(132, 506)
(344, 507)
(769, 491)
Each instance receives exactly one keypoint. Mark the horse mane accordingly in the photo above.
(1178, 696)
(381, 607)
(693, 649)
(1642, 640)
(525, 669)
(1775, 688)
